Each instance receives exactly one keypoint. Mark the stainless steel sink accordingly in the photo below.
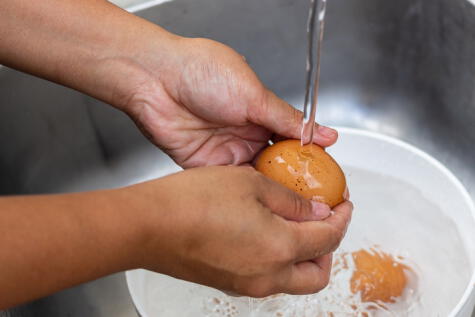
(403, 68)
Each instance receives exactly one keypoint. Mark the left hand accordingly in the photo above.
(205, 106)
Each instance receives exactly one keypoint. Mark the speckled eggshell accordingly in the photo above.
(308, 170)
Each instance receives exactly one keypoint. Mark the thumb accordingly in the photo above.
(281, 118)
(290, 205)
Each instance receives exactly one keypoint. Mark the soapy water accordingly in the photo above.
(389, 213)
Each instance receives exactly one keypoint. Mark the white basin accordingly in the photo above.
(405, 201)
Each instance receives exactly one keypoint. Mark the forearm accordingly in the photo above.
(48, 243)
(89, 45)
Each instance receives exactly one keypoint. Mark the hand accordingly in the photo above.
(233, 229)
(195, 98)
(226, 227)
(205, 106)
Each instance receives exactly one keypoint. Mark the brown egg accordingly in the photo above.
(378, 277)
(307, 170)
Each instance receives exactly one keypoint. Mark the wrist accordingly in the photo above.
(143, 207)
(164, 225)
(136, 58)
(117, 222)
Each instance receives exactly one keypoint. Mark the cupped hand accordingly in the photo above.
(233, 229)
(199, 101)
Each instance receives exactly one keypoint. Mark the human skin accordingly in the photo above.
(197, 100)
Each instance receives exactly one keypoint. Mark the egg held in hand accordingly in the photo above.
(307, 170)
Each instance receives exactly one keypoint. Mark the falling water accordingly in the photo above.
(315, 28)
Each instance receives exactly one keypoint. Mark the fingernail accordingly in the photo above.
(327, 132)
(320, 211)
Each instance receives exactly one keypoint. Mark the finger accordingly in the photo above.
(290, 205)
(341, 216)
(309, 277)
(277, 138)
(316, 238)
(346, 194)
(325, 262)
(281, 118)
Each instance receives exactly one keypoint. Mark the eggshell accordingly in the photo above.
(307, 170)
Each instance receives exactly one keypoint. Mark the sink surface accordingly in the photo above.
(402, 68)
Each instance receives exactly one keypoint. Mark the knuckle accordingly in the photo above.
(297, 116)
(279, 252)
(301, 206)
(250, 173)
(297, 203)
(260, 110)
(259, 182)
(247, 176)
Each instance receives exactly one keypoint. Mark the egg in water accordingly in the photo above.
(378, 276)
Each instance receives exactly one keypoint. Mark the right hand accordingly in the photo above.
(205, 105)
(233, 229)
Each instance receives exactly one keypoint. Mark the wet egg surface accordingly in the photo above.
(307, 170)
(377, 276)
